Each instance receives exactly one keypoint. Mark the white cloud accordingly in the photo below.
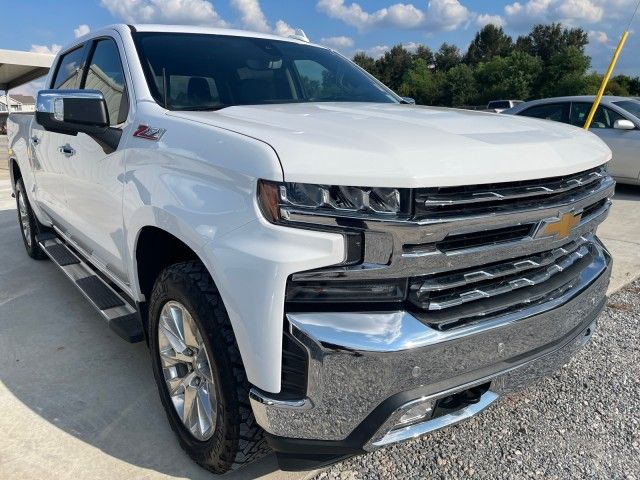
(81, 30)
(484, 19)
(565, 11)
(438, 16)
(251, 15)
(191, 12)
(339, 43)
(599, 36)
(53, 49)
(253, 18)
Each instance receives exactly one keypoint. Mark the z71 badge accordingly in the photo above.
(149, 133)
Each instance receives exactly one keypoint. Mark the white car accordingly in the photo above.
(616, 122)
(318, 267)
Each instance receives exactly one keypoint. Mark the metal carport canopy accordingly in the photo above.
(18, 68)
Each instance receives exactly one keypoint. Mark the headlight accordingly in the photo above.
(278, 201)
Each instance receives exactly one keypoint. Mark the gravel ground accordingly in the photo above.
(584, 422)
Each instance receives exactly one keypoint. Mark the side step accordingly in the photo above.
(121, 316)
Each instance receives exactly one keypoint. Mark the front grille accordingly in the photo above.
(452, 297)
(472, 253)
(446, 202)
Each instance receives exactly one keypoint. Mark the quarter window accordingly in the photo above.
(68, 73)
(105, 74)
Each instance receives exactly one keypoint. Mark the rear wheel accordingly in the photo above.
(29, 224)
(199, 372)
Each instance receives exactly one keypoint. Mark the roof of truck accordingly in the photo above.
(211, 31)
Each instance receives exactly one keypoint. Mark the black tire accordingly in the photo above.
(237, 439)
(34, 226)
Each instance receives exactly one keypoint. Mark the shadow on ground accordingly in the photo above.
(59, 359)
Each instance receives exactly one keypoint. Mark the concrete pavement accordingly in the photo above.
(78, 402)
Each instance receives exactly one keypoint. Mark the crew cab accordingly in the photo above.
(319, 267)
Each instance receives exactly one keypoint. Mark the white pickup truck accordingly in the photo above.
(319, 267)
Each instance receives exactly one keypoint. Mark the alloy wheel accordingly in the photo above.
(187, 370)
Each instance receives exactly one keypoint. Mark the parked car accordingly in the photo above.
(317, 266)
(617, 122)
(498, 106)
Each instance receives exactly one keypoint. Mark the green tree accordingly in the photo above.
(447, 57)
(565, 73)
(545, 41)
(489, 42)
(460, 86)
(366, 62)
(425, 54)
(508, 77)
(423, 84)
(393, 66)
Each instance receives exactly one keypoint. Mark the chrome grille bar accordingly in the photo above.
(491, 272)
(502, 286)
(507, 191)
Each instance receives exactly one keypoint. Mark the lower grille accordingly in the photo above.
(294, 369)
(454, 298)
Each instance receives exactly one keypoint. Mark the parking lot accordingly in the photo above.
(78, 402)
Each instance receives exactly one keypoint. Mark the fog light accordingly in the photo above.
(417, 413)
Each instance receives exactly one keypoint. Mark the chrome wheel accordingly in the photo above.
(23, 212)
(187, 371)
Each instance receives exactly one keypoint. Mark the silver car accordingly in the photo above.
(617, 122)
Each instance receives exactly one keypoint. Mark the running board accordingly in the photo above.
(120, 315)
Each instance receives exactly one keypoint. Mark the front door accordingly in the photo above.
(94, 184)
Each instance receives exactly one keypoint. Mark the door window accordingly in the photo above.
(552, 111)
(105, 74)
(68, 73)
(604, 117)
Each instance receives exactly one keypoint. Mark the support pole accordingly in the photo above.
(605, 80)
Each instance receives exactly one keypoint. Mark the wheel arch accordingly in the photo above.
(14, 172)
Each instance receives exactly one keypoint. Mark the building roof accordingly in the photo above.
(24, 99)
(18, 68)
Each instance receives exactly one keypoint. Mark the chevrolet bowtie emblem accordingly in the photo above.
(562, 227)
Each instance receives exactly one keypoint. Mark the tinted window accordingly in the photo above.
(630, 106)
(68, 74)
(553, 111)
(105, 74)
(604, 117)
(213, 71)
(499, 104)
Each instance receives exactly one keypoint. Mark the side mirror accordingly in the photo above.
(72, 111)
(408, 100)
(624, 124)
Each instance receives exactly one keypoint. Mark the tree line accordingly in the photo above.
(549, 61)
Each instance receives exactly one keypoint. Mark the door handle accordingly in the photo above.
(67, 150)
(35, 140)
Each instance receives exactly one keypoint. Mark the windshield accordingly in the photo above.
(630, 106)
(209, 72)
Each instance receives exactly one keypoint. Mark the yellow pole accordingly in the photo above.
(605, 80)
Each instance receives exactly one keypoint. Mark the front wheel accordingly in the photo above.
(199, 372)
(29, 224)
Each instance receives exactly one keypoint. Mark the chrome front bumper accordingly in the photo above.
(365, 369)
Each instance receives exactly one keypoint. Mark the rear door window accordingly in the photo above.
(69, 70)
(557, 112)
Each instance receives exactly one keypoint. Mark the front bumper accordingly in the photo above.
(366, 369)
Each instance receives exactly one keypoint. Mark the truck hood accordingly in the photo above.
(388, 145)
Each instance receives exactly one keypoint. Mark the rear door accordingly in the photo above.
(52, 165)
(623, 143)
(96, 171)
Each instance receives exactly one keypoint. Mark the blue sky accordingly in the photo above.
(367, 25)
